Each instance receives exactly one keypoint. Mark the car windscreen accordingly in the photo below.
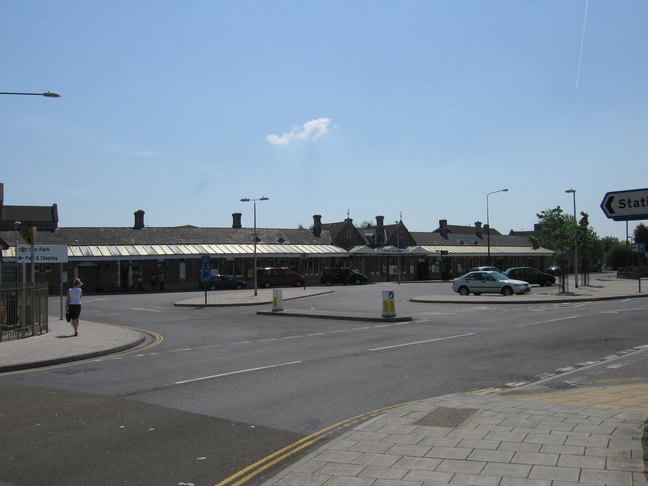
(499, 276)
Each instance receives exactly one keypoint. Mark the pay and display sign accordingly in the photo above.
(42, 254)
(626, 205)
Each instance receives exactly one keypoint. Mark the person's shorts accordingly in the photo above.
(74, 310)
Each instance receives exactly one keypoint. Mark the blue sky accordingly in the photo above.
(182, 108)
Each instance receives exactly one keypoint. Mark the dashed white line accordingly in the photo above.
(423, 342)
(236, 372)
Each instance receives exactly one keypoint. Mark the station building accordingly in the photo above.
(140, 257)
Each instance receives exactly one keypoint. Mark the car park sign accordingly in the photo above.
(42, 254)
(626, 205)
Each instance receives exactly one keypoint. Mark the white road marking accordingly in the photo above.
(423, 342)
(143, 309)
(236, 372)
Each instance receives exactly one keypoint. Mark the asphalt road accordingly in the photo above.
(226, 387)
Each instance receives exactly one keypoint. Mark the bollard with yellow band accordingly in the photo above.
(277, 300)
(389, 306)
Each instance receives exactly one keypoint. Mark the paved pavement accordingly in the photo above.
(580, 428)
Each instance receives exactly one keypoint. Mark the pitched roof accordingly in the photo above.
(44, 218)
(174, 235)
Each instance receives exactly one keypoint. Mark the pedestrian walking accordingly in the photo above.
(73, 304)
(138, 280)
(161, 280)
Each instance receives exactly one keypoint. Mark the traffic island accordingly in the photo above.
(339, 315)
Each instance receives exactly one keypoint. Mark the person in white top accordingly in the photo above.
(73, 304)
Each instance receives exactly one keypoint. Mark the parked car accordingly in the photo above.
(554, 270)
(330, 276)
(216, 282)
(485, 269)
(269, 277)
(531, 275)
(489, 282)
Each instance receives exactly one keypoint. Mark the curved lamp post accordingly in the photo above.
(255, 238)
(488, 222)
(573, 192)
(47, 94)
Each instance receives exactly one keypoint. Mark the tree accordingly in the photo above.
(617, 256)
(608, 242)
(588, 242)
(557, 231)
(641, 234)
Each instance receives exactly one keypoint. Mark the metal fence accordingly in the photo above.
(23, 312)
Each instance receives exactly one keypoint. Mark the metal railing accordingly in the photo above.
(23, 312)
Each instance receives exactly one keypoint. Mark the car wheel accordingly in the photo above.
(549, 282)
(477, 293)
(357, 281)
(266, 285)
(239, 286)
(507, 291)
(328, 283)
(464, 291)
(299, 283)
(212, 287)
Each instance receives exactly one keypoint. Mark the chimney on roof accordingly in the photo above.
(478, 229)
(317, 225)
(443, 228)
(537, 227)
(139, 219)
(380, 230)
(236, 220)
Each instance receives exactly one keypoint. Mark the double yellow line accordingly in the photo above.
(268, 462)
(157, 339)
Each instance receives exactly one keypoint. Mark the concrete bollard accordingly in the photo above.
(277, 300)
(389, 306)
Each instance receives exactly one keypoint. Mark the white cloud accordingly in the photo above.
(312, 130)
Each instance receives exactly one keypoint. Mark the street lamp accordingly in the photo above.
(47, 94)
(573, 192)
(398, 223)
(488, 222)
(255, 237)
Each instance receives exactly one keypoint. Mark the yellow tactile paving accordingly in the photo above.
(622, 397)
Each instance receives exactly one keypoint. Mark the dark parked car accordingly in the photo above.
(269, 277)
(216, 282)
(342, 275)
(531, 275)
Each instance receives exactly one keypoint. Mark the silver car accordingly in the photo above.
(494, 282)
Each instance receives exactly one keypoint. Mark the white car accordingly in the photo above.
(494, 282)
(484, 269)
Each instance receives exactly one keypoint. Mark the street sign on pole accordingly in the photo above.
(42, 254)
(626, 205)
(29, 235)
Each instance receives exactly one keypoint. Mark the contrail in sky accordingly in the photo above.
(580, 60)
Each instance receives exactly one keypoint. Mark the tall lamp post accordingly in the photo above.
(398, 223)
(47, 94)
(255, 238)
(573, 192)
(488, 222)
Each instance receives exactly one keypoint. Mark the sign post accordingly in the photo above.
(626, 205)
(43, 254)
